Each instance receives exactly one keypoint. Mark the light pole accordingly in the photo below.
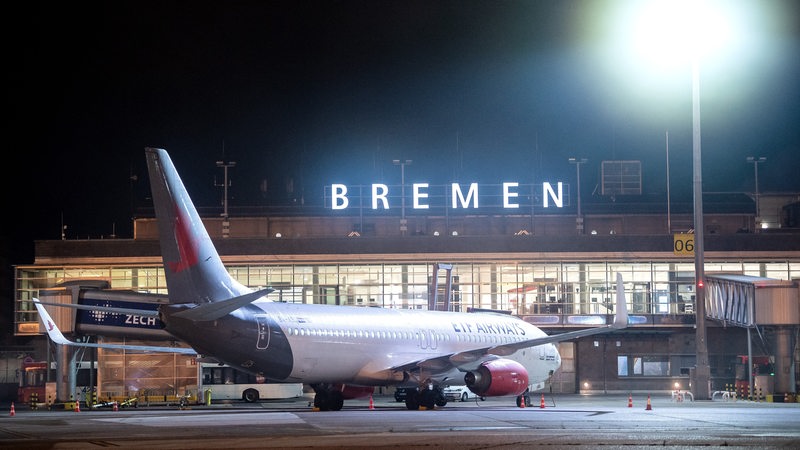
(579, 218)
(403, 222)
(225, 223)
(667, 31)
(669, 216)
(701, 388)
(756, 160)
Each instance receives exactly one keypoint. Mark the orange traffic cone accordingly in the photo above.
(77, 406)
(371, 404)
(541, 403)
(630, 401)
(649, 407)
(13, 413)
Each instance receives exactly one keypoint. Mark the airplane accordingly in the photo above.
(342, 352)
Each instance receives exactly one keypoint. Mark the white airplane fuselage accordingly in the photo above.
(287, 342)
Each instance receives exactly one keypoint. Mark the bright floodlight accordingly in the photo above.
(668, 30)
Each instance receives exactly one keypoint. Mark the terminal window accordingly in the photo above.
(642, 366)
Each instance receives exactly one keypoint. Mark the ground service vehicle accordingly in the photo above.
(223, 382)
(401, 393)
(32, 382)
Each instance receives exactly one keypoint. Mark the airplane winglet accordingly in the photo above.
(621, 308)
(50, 325)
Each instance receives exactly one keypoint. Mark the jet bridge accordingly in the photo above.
(763, 304)
(83, 323)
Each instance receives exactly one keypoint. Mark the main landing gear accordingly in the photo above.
(327, 398)
(427, 398)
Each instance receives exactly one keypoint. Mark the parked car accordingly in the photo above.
(401, 393)
(459, 393)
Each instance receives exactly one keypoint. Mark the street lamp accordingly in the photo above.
(669, 30)
(755, 160)
(579, 218)
(225, 166)
(702, 367)
(402, 164)
(225, 223)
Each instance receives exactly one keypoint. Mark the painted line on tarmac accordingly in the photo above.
(202, 420)
(510, 427)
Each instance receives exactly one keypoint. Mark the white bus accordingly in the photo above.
(223, 382)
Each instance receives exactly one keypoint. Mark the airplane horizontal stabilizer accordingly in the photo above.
(219, 309)
(58, 337)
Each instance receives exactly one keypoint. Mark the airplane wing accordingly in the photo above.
(490, 352)
(56, 336)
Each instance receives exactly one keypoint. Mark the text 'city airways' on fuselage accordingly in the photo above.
(507, 195)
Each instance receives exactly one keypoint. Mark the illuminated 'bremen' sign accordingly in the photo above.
(509, 195)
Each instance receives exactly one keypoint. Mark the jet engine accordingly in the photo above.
(497, 378)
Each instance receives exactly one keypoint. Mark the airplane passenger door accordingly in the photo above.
(428, 339)
(263, 332)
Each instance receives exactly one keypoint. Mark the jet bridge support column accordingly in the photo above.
(65, 373)
(785, 381)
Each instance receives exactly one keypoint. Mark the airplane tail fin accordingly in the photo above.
(194, 271)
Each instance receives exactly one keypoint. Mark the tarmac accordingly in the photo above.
(552, 421)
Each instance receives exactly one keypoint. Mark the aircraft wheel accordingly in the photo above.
(321, 400)
(441, 400)
(335, 401)
(428, 398)
(412, 401)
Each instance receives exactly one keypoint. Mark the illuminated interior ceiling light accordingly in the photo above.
(277, 235)
(455, 233)
(436, 233)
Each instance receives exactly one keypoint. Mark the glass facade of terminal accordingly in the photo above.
(522, 287)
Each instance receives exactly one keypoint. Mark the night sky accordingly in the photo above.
(332, 91)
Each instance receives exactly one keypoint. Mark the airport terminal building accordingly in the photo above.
(550, 264)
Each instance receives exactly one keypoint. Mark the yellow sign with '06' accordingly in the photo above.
(683, 244)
